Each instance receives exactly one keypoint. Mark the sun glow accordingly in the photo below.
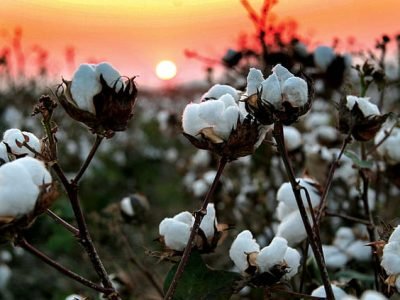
(166, 70)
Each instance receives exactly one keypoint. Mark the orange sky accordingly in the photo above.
(135, 34)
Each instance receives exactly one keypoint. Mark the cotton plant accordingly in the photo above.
(175, 231)
(282, 96)
(360, 117)
(99, 97)
(391, 259)
(19, 143)
(265, 266)
(291, 226)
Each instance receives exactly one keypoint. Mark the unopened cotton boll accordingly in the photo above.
(323, 57)
(334, 257)
(391, 258)
(272, 254)
(254, 80)
(36, 169)
(209, 222)
(367, 108)
(243, 245)
(292, 258)
(218, 90)
(295, 91)
(18, 193)
(337, 292)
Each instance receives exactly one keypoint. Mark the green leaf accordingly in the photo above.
(200, 282)
(364, 164)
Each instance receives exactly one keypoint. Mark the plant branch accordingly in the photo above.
(61, 221)
(88, 159)
(313, 240)
(199, 215)
(23, 243)
(347, 217)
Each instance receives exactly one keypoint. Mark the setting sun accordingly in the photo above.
(166, 70)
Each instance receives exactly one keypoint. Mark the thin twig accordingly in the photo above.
(313, 240)
(88, 159)
(61, 221)
(23, 243)
(198, 218)
(346, 217)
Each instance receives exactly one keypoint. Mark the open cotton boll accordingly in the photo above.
(175, 233)
(359, 251)
(337, 292)
(395, 236)
(271, 255)
(344, 236)
(12, 137)
(218, 90)
(282, 211)
(389, 149)
(209, 222)
(295, 91)
(185, 217)
(367, 108)
(126, 207)
(74, 297)
(292, 258)
(228, 100)
(334, 257)
(199, 187)
(191, 122)
(254, 80)
(282, 73)
(391, 258)
(372, 295)
(110, 75)
(271, 91)
(292, 229)
(33, 141)
(3, 153)
(84, 86)
(36, 169)
(293, 139)
(243, 245)
(18, 193)
(323, 57)
(211, 111)
(227, 123)
(285, 194)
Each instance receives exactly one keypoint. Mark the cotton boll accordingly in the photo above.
(18, 193)
(5, 275)
(211, 111)
(337, 292)
(391, 258)
(74, 297)
(286, 195)
(84, 86)
(334, 258)
(243, 245)
(13, 136)
(209, 176)
(359, 251)
(36, 169)
(271, 91)
(110, 75)
(271, 255)
(199, 188)
(254, 79)
(323, 57)
(228, 100)
(295, 91)
(185, 217)
(191, 122)
(372, 295)
(315, 119)
(3, 153)
(282, 73)
(292, 229)
(218, 90)
(367, 108)
(33, 142)
(126, 207)
(293, 139)
(209, 222)
(283, 210)
(292, 258)
(344, 236)
(395, 236)
(175, 233)
(227, 122)
(202, 158)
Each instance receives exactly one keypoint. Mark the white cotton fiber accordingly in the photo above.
(254, 79)
(272, 255)
(295, 91)
(243, 245)
(271, 91)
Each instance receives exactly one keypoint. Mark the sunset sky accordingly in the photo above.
(134, 35)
